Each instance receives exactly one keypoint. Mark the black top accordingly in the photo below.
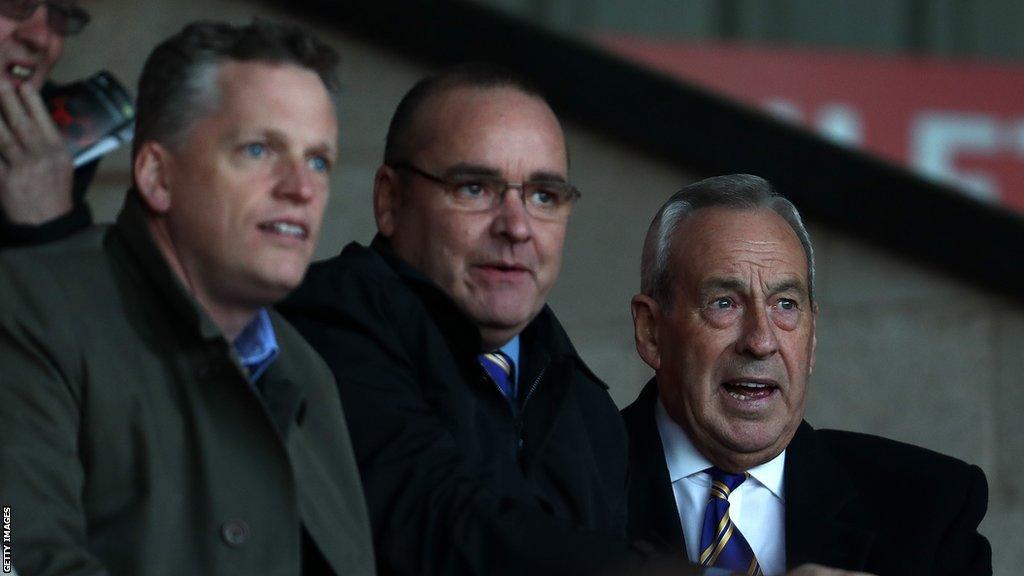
(79, 218)
(456, 482)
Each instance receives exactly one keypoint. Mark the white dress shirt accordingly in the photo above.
(756, 507)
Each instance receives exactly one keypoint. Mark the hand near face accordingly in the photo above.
(818, 570)
(36, 169)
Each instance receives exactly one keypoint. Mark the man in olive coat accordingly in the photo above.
(158, 417)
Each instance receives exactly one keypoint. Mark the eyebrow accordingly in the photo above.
(794, 284)
(466, 169)
(325, 148)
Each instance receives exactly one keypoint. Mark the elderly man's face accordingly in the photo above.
(735, 350)
(248, 187)
(28, 48)
(497, 265)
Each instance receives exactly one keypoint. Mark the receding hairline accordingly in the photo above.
(679, 232)
(213, 79)
(424, 125)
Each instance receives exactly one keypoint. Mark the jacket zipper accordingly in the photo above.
(522, 409)
(533, 387)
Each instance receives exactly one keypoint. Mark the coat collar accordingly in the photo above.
(653, 515)
(823, 522)
(138, 245)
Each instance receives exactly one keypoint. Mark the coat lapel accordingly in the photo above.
(821, 508)
(653, 515)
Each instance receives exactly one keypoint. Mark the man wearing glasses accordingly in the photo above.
(485, 444)
(40, 191)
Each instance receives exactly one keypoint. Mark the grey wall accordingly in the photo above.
(903, 352)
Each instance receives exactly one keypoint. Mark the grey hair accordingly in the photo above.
(178, 82)
(739, 191)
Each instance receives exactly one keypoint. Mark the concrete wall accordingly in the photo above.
(903, 352)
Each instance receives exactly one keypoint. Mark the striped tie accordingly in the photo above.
(499, 368)
(721, 543)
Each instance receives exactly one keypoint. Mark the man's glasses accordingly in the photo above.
(62, 16)
(544, 199)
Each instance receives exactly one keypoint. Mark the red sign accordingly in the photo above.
(960, 122)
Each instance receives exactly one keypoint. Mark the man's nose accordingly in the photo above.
(758, 339)
(297, 181)
(512, 220)
(35, 30)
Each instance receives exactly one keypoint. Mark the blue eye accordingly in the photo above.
(255, 149)
(721, 303)
(543, 198)
(471, 189)
(319, 164)
(787, 304)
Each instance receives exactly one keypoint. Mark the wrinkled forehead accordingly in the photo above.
(722, 240)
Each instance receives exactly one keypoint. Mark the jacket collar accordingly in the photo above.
(822, 514)
(138, 245)
(653, 514)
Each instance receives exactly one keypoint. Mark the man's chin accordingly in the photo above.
(498, 329)
(269, 289)
(757, 439)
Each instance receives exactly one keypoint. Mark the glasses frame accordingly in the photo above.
(450, 186)
(62, 17)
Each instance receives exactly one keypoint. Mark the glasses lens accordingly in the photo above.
(549, 200)
(18, 9)
(470, 192)
(66, 19)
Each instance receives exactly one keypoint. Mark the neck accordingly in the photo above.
(229, 318)
(493, 339)
(739, 463)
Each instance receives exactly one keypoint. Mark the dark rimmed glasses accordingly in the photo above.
(550, 200)
(62, 16)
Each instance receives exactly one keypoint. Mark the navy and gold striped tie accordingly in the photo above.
(721, 543)
(499, 367)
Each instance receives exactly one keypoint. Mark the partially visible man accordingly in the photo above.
(485, 444)
(158, 418)
(723, 465)
(41, 194)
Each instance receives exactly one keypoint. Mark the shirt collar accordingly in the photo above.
(256, 345)
(683, 459)
(511, 349)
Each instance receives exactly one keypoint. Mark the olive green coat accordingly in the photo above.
(133, 443)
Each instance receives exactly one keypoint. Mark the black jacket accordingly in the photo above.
(853, 501)
(78, 219)
(456, 484)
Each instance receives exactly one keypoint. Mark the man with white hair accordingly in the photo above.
(722, 464)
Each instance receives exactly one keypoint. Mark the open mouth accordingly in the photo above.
(743, 390)
(506, 267)
(21, 71)
(287, 229)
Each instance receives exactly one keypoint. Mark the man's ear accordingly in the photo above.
(646, 315)
(152, 171)
(814, 337)
(386, 200)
